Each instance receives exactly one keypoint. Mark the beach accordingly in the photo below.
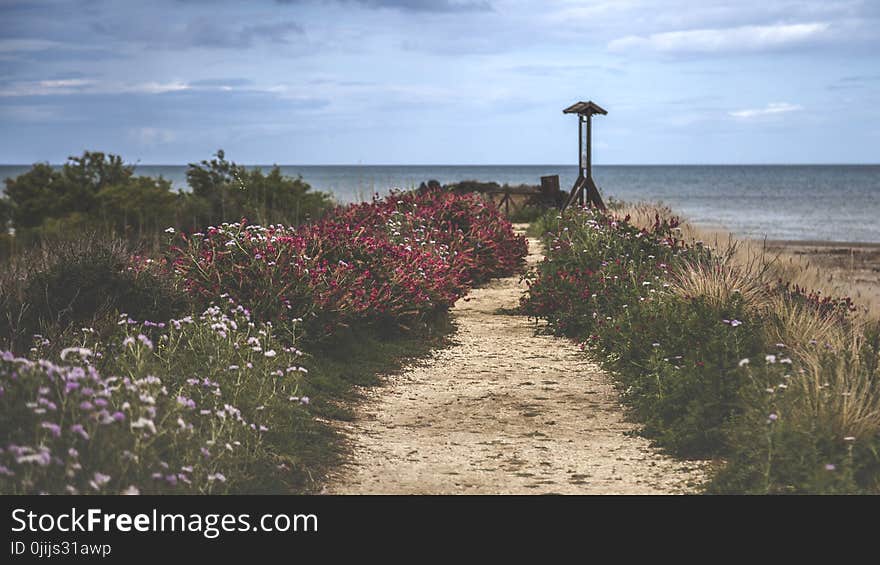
(844, 265)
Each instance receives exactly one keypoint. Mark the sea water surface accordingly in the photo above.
(797, 202)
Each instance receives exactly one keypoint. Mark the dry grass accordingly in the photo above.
(836, 383)
(719, 282)
(838, 388)
(756, 258)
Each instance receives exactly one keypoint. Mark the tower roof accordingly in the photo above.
(585, 109)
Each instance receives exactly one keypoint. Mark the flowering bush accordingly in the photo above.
(701, 364)
(164, 408)
(396, 260)
(218, 402)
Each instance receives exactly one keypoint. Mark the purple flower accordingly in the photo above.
(53, 428)
(79, 430)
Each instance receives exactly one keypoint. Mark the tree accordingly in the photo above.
(139, 206)
(232, 192)
(45, 193)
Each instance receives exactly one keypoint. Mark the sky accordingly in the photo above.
(440, 81)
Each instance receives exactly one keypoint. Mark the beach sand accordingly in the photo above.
(851, 266)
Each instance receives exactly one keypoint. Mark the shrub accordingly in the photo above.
(226, 191)
(76, 282)
(397, 260)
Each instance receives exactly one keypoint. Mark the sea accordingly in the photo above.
(784, 202)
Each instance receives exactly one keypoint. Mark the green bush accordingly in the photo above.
(77, 282)
(230, 192)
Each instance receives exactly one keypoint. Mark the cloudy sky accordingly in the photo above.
(440, 81)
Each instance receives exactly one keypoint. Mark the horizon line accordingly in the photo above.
(138, 164)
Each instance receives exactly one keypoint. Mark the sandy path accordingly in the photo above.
(502, 410)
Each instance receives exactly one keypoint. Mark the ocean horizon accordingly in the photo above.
(834, 202)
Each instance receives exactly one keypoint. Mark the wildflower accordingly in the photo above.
(144, 423)
(53, 428)
(145, 340)
(830, 467)
(79, 430)
(270, 353)
(217, 477)
(186, 402)
(772, 417)
(169, 230)
(849, 438)
(99, 480)
(131, 491)
(82, 352)
(771, 359)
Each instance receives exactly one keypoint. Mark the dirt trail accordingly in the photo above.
(502, 410)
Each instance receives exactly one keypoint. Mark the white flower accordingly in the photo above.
(144, 423)
(99, 480)
(743, 362)
(270, 353)
(169, 230)
(81, 351)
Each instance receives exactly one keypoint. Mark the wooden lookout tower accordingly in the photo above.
(584, 189)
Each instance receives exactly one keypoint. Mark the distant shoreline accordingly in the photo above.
(422, 165)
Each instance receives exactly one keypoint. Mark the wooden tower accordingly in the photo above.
(585, 190)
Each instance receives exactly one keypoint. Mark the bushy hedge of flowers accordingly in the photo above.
(701, 370)
(216, 401)
(178, 407)
(398, 259)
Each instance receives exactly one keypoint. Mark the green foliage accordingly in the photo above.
(231, 192)
(76, 282)
(98, 192)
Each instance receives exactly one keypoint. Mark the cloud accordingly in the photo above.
(221, 83)
(208, 33)
(737, 39)
(58, 87)
(769, 110)
(151, 135)
(418, 5)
